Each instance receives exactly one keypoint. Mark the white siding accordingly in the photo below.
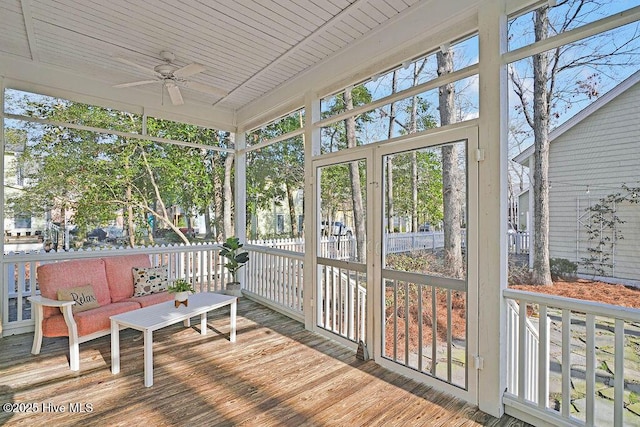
(599, 154)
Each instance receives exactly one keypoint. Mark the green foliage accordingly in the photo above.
(276, 171)
(603, 229)
(236, 258)
(180, 285)
(430, 195)
(562, 268)
(100, 176)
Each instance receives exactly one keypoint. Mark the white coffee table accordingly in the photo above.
(152, 318)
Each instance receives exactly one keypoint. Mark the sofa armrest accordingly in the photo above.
(65, 306)
(48, 302)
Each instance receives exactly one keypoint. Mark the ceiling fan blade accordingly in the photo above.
(189, 70)
(145, 70)
(174, 94)
(142, 82)
(205, 88)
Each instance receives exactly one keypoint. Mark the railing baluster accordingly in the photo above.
(543, 358)
(420, 327)
(395, 319)
(407, 320)
(522, 349)
(434, 331)
(618, 379)
(591, 369)
(449, 335)
(566, 362)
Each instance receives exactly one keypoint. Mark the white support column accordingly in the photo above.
(492, 221)
(532, 201)
(3, 305)
(240, 193)
(311, 214)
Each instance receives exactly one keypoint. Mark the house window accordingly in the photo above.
(22, 221)
(279, 223)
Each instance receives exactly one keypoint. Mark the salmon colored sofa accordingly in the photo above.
(113, 285)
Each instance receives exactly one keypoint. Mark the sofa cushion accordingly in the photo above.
(151, 299)
(149, 280)
(72, 274)
(83, 296)
(89, 321)
(120, 275)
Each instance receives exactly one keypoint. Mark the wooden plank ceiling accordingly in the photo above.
(249, 47)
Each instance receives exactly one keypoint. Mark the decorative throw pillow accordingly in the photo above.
(149, 280)
(84, 297)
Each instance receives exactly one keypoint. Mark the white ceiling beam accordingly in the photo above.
(118, 133)
(22, 74)
(605, 24)
(28, 25)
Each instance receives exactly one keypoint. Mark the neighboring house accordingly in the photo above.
(16, 224)
(591, 156)
(276, 220)
(523, 211)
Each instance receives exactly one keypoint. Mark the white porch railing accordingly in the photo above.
(342, 299)
(201, 264)
(528, 366)
(407, 242)
(274, 277)
(587, 361)
(518, 242)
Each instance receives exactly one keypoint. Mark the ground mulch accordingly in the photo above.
(615, 294)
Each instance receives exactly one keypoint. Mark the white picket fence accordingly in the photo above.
(518, 242)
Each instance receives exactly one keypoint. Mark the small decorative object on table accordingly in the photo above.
(235, 260)
(181, 288)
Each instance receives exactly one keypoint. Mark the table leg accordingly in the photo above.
(203, 323)
(234, 307)
(148, 358)
(115, 347)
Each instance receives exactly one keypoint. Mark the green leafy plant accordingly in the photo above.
(236, 257)
(604, 229)
(180, 285)
(563, 268)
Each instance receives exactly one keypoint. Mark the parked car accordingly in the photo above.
(337, 228)
(422, 228)
(189, 232)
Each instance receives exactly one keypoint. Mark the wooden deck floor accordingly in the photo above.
(276, 374)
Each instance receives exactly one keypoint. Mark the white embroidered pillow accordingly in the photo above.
(149, 280)
(83, 296)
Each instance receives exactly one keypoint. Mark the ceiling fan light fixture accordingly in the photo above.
(165, 69)
(171, 76)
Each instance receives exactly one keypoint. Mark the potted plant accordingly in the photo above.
(236, 259)
(181, 288)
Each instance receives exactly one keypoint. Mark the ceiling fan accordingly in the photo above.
(172, 77)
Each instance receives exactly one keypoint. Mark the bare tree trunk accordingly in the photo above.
(227, 198)
(163, 215)
(392, 121)
(451, 180)
(356, 190)
(217, 200)
(149, 229)
(207, 223)
(414, 191)
(413, 128)
(292, 211)
(131, 230)
(541, 269)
